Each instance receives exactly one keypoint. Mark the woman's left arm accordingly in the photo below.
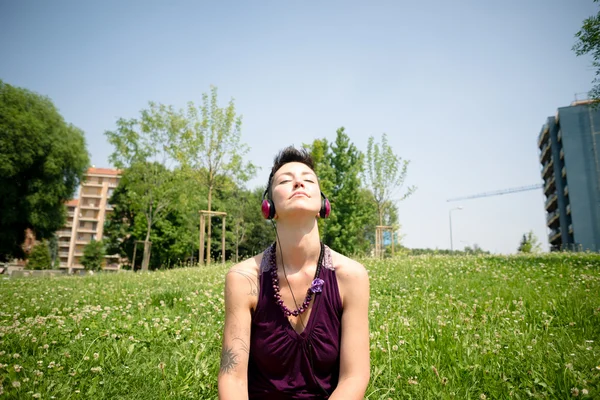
(354, 348)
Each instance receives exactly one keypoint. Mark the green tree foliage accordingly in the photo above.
(529, 243)
(93, 255)
(174, 238)
(40, 258)
(211, 147)
(588, 42)
(385, 175)
(144, 147)
(42, 161)
(171, 240)
(351, 226)
(349, 213)
(259, 232)
(53, 247)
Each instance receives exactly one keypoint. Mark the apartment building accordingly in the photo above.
(86, 216)
(570, 157)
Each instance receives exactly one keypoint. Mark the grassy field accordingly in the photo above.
(441, 327)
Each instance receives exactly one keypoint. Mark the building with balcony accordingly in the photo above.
(86, 216)
(569, 145)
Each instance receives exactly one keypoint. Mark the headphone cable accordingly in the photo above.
(285, 274)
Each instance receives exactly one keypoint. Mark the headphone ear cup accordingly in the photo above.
(325, 208)
(268, 209)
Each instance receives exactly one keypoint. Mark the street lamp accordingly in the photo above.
(450, 217)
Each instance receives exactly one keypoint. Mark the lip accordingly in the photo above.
(296, 194)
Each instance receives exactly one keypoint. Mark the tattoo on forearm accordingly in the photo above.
(243, 344)
(229, 360)
(252, 282)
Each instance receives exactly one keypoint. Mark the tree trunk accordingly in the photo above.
(146, 259)
(237, 242)
(208, 225)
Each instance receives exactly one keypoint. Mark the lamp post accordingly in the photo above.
(450, 217)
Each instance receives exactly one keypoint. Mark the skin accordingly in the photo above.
(296, 195)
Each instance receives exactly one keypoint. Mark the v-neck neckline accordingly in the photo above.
(310, 322)
(315, 300)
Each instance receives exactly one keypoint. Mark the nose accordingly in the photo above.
(298, 183)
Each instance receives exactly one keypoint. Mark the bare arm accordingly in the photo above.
(240, 292)
(354, 349)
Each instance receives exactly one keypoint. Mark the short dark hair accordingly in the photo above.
(288, 155)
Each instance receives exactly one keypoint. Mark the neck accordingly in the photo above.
(300, 245)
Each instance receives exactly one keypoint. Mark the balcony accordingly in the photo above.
(545, 151)
(63, 254)
(70, 213)
(547, 167)
(86, 230)
(566, 191)
(64, 233)
(88, 219)
(562, 154)
(93, 184)
(570, 229)
(553, 236)
(551, 217)
(90, 207)
(549, 185)
(543, 135)
(568, 209)
(91, 196)
(63, 244)
(559, 137)
(564, 172)
(551, 200)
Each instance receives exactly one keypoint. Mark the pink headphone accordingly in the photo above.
(268, 208)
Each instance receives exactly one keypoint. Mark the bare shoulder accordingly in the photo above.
(242, 280)
(250, 266)
(347, 269)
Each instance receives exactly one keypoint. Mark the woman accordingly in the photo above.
(296, 316)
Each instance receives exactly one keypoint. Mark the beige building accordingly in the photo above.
(86, 216)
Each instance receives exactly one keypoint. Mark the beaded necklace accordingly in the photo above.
(315, 287)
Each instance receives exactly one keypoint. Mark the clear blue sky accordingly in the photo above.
(461, 88)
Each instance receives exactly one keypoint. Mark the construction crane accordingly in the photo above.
(499, 192)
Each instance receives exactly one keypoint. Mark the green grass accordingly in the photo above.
(441, 327)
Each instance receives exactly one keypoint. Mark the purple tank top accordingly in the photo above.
(280, 365)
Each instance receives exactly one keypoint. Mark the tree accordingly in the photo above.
(385, 175)
(258, 231)
(211, 147)
(42, 161)
(588, 42)
(93, 255)
(139, 211)
(53, 247)
(40, 258)
(143, 147)
(349, 216)
(529, 243)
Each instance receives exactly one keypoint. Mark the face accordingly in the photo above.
(295, 188)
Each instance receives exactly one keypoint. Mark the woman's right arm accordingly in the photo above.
(240, 293)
